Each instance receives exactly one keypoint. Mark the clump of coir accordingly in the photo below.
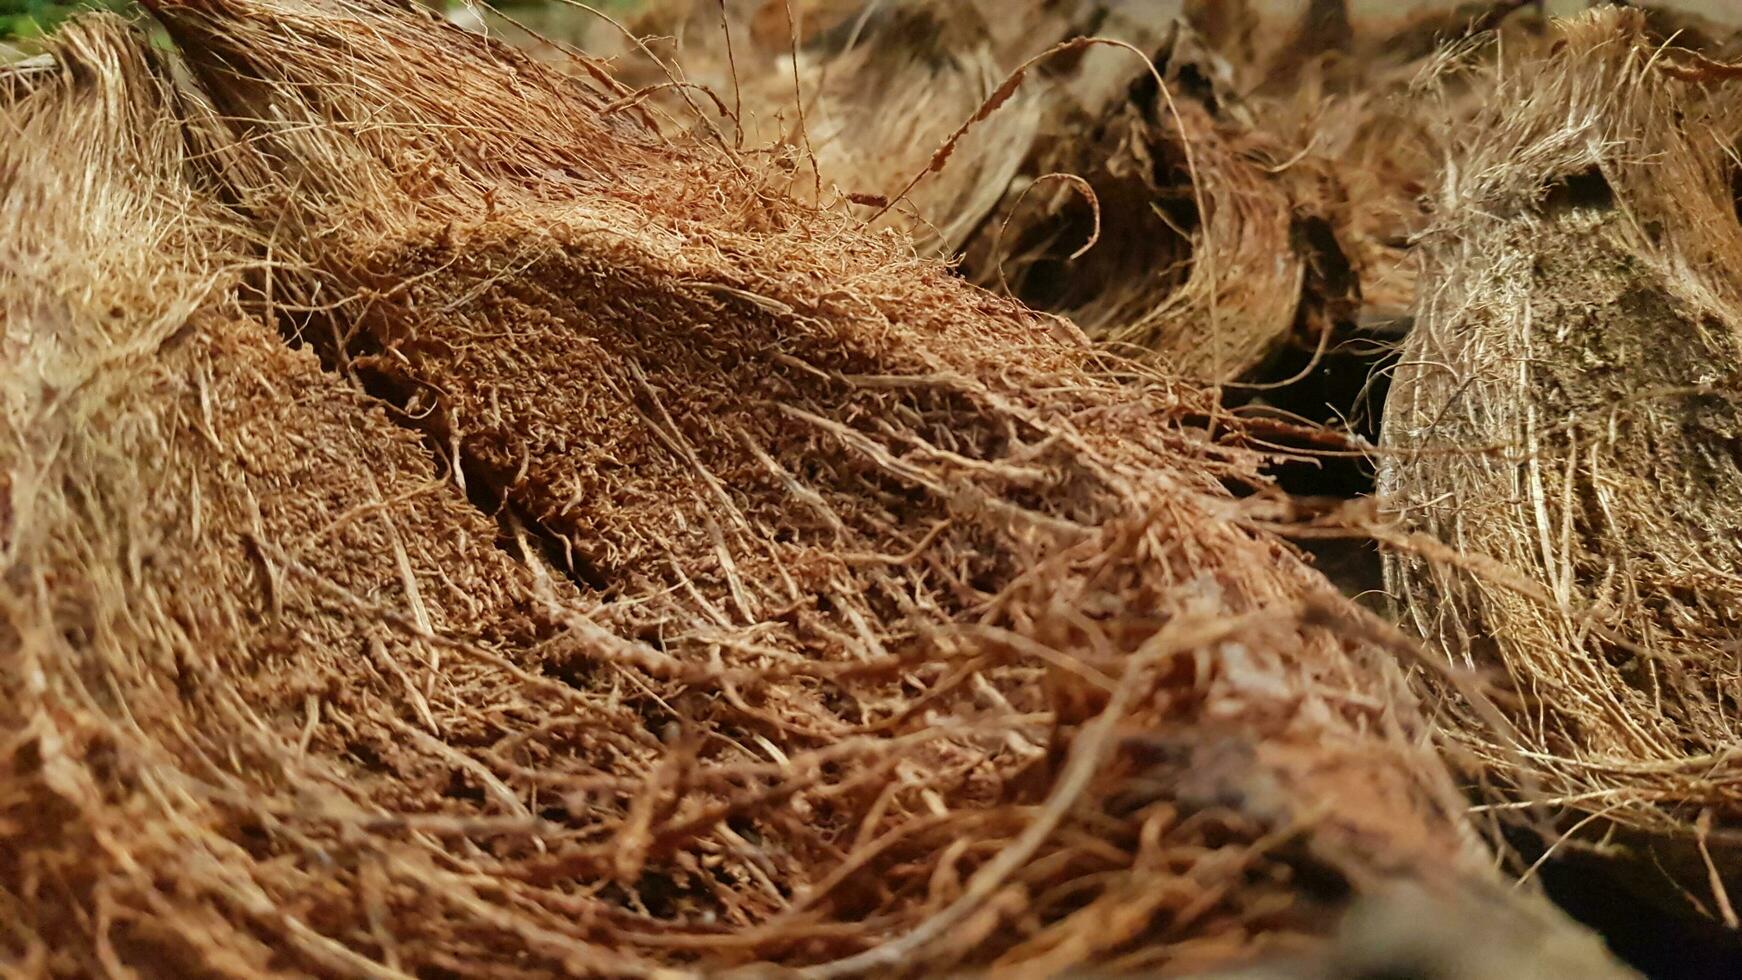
(1036, 141)
(1188, 235)
(1561, 438)
(858, 621)
(1251, 191)
(243, 615)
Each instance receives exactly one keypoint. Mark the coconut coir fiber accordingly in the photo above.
(1564, 424)
(844, 618)
(1261, 197)
(206, 537)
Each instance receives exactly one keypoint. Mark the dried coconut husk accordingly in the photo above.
(993, 129)
(878, 110)
(1017, 144)
(957, 651)
(858, 99)
(1269, 201)
(1096, 723)
(1204, 240)
(1564, 423)
(1305, 114)
(1355, 83)
(1277, 46)
(242, 617)
(1296, 129)
(1365, 110)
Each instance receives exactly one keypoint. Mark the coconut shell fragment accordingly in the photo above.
(1561, 441)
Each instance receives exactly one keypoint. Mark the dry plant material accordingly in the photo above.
(1079, 187)
(896, 636)
(1361, 109)
(1353, 85)
(997, 131)
(236, 597)
(884, 109)
(1263, 199)
(1277, 48)
(866, 96)
(1568, 409)
(1209, 228)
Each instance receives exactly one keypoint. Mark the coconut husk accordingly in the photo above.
(1354, 83)
(1363, 108)
(872, 625)
(880, 102)
(1282, 251)
(1269, 201)
(995, 99)
(1207, 227)
(239, 604)
(1277, 46)
(1563, 425)
(1214, 236)
(1062, 174)
(1311, 187)
(817, 84)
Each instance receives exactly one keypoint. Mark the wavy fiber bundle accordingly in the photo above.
(855, 621)
(1206, 232)
(1362, 101)
(1566, 417)
(1268, 201)
(878, 109)
(865, 96)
